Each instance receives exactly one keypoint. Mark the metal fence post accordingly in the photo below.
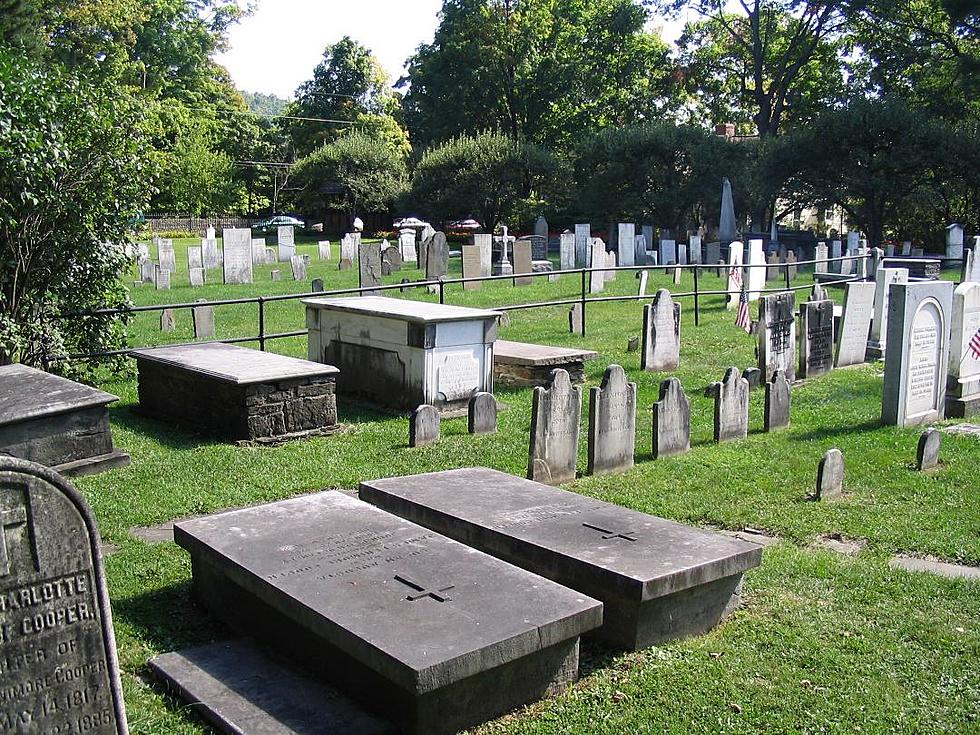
(442, 291)
(786, 273)
(261, 302)
(697, 300)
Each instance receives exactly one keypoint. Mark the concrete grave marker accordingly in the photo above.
(918, 352)
(485, 244)
(522, 263)
(195, 259)
(391, 260)
(369, 267)
(612, 423)
(166, 255)
(855, 324)
(203, 317)
(237, 263)
(348, 249)
(162, 279)
(643, 277)
(954, 242)
(816, 337)
(583, 240)
(885, 278)
(627, 243)
(197, 277)
(567, 251)
(275, 274)
(791, 268)
(168, 322)
(927, 452)
(258, 251)
(210, 233)
(668, 252)
(317, 285)
(576, 323)
(437, 257)
(661, 343)
(472, 267)
(286, 240)
(147, 271)
(694, 254)
(671, 421)
(731, 406)
(777, 335)
(963, 382)
(830, 475)
(211, 253)
(555, 415)
(712, 252)
(597, 259)
(482, 414)
(57, 631)
(610, 275)
(323, 250)
(778, 398)
(423, 426)
(298, 267)
(820, 256)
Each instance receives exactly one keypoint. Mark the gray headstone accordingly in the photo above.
(271, 256)
(712, 252)
(541, 227)
(323, 250)
(830, 475)
(348, 248)
(317, 285)
(166, 255)
(162, 279)
(167, 320)
(237, 255)
(482, 414)
(855, 325)
(194, 258)
(643, 277)
(423, 426)
(633, 344)
(203, 322)
(694, 248)
(820, 256)
(597, 259)
(773, 271)
(522, 262)
(472, 267)
(918, 350)
(612, 423)
(668, 252)
(971, 263)
(555, 415)
(258, 251)
(678, 274)
(731, 407)
(275, 274)
(298, 267)
(963, 384)
(791, 266)
(196, 276)
(437, 257)
(210, 252)
(661, 347)
(575, 321)
(369, 267)
(816, 338)
(884, 279)
(610, 275)
(954, 241)
(778, 397)
(391, 260)
(147, 271)
(682, 253)
(671, 421)
(567, 251)
(927, 453)
(818, 293)
(485, 243)
(627, 243)
(286, 240)
(640, 250)
(58, 638)
(754, 376)
(583, 241)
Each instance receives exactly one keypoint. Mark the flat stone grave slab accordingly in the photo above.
(658, 580)
(238, 688)
(56, 422)
(521, 364)
(425, 631)
(237, 393)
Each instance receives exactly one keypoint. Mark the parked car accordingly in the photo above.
(278, 221)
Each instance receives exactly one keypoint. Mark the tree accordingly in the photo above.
(544, 71)
(770, 47)
(871, 158)
(356, 174)
(667, 173)
(489, 176)
(349, 88)
(75, 177)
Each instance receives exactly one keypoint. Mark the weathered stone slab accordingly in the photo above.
(472, 267)
(286, 241)
(482, 414)
(522, 263)
(612, 423)
(918, 353)
(731, 406)
(927, 452)
(203, 317)
(658, 580)
(963, 381)
(437, 257)
(778, 397)
(668, 251)
(661, 343)
(196, 277)
(567, 251)
(555, 415)
(238, 689)
(830, 475)
(56, 422)
(971, 263)
(755, 271)
(297, 264)
(323, 250)
(485, 243)
(162, 279)
(583, 241)
(884, 279)
(777, 335)
(423, 426)
(855, 324)
(60, 673)
(168, 321)
(369, 267)
(237, 262)
(526, 365)
(627, 243)
(816, 338)
(166, 255)
(410, 623)
(194, 258)
(235, 392)
(597, 259)
(671, 421)
(576, 319)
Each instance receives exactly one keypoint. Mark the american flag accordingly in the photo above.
(975, 345)
(742, 319)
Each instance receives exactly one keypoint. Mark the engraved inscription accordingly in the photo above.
(534, 516)
(609, 534)
(341, 555)
(779, 335)
(924, 345)
(459, 375)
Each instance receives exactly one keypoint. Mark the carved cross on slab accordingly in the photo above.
(422, 592)
(8, 519)
(611, 534)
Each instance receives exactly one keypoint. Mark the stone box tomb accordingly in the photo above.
(56, 422)
(426, 631)
(237, 393)
(399, 354)
(523, 364)
(658, 580)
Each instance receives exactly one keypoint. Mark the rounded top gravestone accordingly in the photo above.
(60, 672)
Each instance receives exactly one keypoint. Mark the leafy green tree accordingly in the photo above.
(871, 158)
(490, 177)
(349, 89)
(74, 178)
(544, 71)
(356, 174)
(670, 174)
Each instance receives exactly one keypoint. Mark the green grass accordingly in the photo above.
(824, 644)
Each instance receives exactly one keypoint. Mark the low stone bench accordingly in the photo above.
(237, 393)
(419, 628)
(56, 422)
(522, 364)
(657, 580)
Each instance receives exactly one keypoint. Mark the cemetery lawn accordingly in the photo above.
(824, 642)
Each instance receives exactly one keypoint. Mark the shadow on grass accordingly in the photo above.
(169, 618)
(170, 435)
(827, 432)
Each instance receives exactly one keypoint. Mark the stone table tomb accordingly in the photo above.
(526, 365)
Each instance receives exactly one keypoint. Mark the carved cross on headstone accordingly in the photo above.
(8, 519)
(611, 534)
(422, 592)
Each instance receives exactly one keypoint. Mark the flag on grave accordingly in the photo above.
(975, 345)
(742, 319)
